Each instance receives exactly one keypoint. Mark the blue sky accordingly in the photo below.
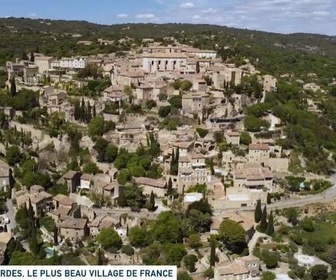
(285, 16)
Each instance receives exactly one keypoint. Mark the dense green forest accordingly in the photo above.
(272, 53)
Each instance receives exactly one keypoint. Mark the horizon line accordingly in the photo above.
(165, 23)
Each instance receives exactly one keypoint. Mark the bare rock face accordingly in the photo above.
(166, 139)
(86, 142)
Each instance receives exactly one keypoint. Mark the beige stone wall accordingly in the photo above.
(158, 191)
(35, 133)
(72, 234)
(278, 164)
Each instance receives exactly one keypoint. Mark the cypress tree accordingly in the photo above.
(172, 160)
(151, 202)
(100, 257)
(32, 57)
(212, 254)
(177, 156)
(122, 202)
(180, 236)
(77, 111)
(55, 236)
(94, 111)
(83, 111)
(258, 212)
(269, 201)
(263, 221)
(212, 167)
(37, 222)
(270, 225)
(197, 67)
(13, 87)
(11, 182)
(89, 113)
(24, 56)
(30, 211)
(169, 186)
(34, 246)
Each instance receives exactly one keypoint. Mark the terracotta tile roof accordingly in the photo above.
(61, 211)
(197, 156)
(86, 177)
(63, 199)
(70, 174)
(165, 55)
(74, 223)
(259, 146)
(103, 222)
(233, 268)
(253, 172)
(110, 186)
(38, 197)
(183, 144)
(150, 182)
(132, 74)
(232, 133)
(184, 159)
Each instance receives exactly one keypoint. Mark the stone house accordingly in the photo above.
(4, 175)
(192, 170)
(72, 180)
(130, 79)
(40, 200)
(143, 93)
(62, 200)
(5, 238)
(199, 85)
(194, 102)
(74, 228)
(131, 135)
(114, 94)
(250, 183)
(232, 137)
(184, 147)
(43, 63)
(85, 181)
(253, 176)
(243, 268)
(270, 83)
(259, 153)
(246, 220)
(148, 185)
(112, 190)
(224, 74)
(101, 222)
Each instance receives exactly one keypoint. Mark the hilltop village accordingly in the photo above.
(165, 154)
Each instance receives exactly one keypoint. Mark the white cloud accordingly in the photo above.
(187, 5)
(321, 13)
(285, 16)
(32, 15)
(209, 11)
(122, 15)
(145, 16)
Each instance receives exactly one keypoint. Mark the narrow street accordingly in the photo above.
(10, 215)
